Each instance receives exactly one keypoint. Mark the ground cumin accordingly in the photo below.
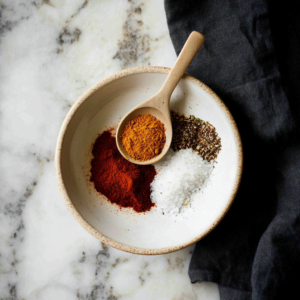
(144, 137)
(122, 182)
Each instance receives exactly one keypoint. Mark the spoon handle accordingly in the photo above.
(189, 50)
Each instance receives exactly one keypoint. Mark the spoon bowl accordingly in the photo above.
(158, 105)
(158, 114)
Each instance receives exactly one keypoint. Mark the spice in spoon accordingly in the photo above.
(144, 137)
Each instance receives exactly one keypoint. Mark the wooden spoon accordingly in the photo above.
(158, 105)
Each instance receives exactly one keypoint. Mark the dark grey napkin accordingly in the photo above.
(254, 253)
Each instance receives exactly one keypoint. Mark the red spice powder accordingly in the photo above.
(122, 182)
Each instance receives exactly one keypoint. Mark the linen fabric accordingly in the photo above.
(251, 59)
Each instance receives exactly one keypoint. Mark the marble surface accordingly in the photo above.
(51, 51)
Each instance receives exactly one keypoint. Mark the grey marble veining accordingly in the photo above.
(51, 51)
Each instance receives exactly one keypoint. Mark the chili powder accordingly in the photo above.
(122, 182)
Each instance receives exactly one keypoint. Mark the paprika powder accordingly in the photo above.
(122, 182)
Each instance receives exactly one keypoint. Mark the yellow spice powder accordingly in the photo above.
(144, 137)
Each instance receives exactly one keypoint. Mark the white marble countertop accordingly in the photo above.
(51, 51)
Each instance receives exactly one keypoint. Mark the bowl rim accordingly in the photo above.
(84, 223)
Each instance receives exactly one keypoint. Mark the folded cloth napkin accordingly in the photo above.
(255, 250)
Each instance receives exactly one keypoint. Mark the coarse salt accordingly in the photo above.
(181, 175)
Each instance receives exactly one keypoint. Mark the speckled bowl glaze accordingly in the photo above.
(101, 107)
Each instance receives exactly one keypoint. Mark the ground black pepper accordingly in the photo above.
(191, 132)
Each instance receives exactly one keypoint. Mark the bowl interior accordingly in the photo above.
(104, 108)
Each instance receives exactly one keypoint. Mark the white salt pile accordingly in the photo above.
(182, 174)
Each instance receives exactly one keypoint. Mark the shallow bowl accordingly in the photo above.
(102, 107)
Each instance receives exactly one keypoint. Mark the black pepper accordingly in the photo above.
(191, 132)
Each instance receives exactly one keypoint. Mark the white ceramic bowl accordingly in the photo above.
(103, 106)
